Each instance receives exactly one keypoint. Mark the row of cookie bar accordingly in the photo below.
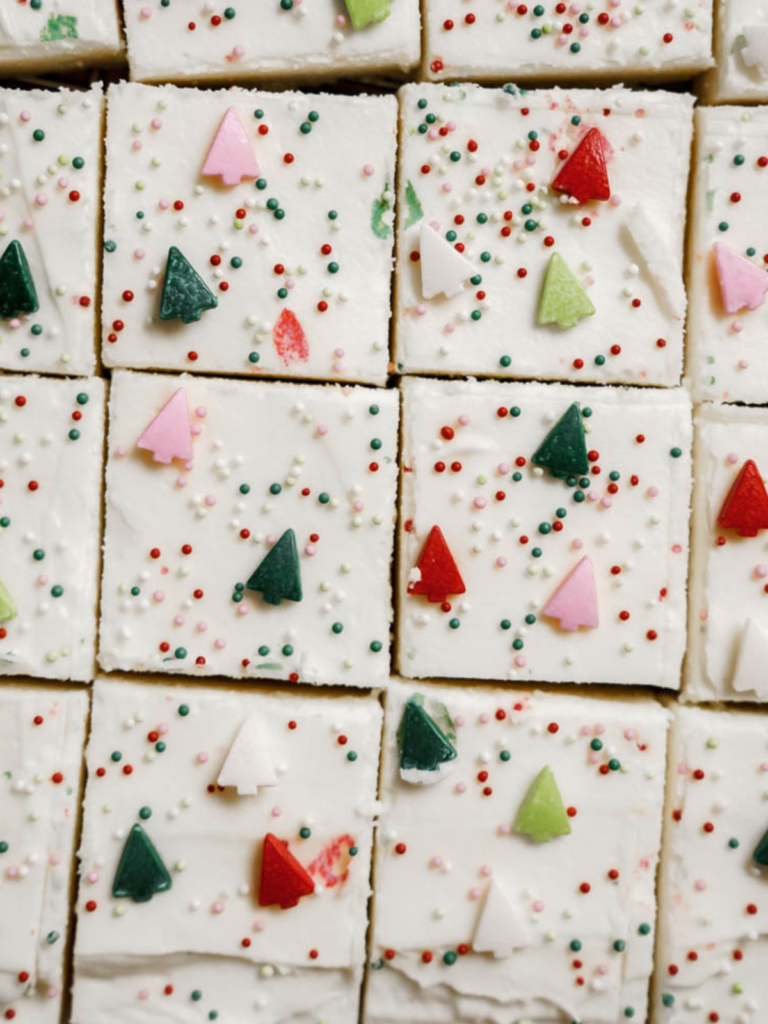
(543, 532)
(214, 42)
(258, 239)
(227, 840)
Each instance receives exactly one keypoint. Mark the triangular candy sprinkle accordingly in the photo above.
(283, 879)
(436, 574)
(745, 509)
(542, 814)
(760, 856)
(750, 674)
(443, 269)
(499, 929)
(563, 300)
(278, 575)
(7, 606)
(140, 873)
(423, 744)
(290, 340)
(231, 157)
(17, 287)
(742, 283)
(585, 175)
(248, 765)
(169, 435)
(755, 53)
(564, 450)
(185, 295)
(574, 603)
(363, 12)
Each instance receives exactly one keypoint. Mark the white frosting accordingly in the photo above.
(726, 357)
(191, 937)
(157, 142)
(739, 51)
(492, 328)
(38, 813)
(706, 932)
(642, 530)
(314, 38)
(498, 43)
(53, 634)
(460, 845)
(297, 437)
(51, 207)
(727, 580)
(58, 34)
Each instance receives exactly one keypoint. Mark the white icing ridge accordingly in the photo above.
(309, 292)
(208, 934)
(51, 441)
(478, 165)
(727, 581)
(726, 357)
(315, 38)
(257, 448)
(644, 40)
(458, 849)
(740, 74)
(713, 921)
(42, 733)
(50, 204)
(58, 36)
(635, 533)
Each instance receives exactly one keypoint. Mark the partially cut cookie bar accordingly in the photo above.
(226, 853)
(37, 36)
(51, 441)
(516, 857)
(727, 279)
(249, 232)
(50, 181)
(713, 915)
(540, 234)
(249, 529)
(728, 623)
(740, 74)
(42, 733)
(283, 38)
(544, 532)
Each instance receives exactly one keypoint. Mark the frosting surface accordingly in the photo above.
(184, 538)
(42, 733)
(50, 167)
(741, 70)
(51, 440)
(579, 909)
(505, 177)
(206, 945)
(58, 34)
(580, 578)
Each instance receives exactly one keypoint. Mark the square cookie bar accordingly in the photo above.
(51, 441)
(58, 36)
(266, 555)
(522, 887)
(50, 180)
(544, 532)
(541, 233)
(240, 238)
(728, 621)
(713, 915)
(42, 733)
(574, 41)
(727, 281)
(226, 855)
(291, 38)
(740, 74)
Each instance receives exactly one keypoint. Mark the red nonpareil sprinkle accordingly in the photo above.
(90, 906)
(553, 727)
(400, 848)
(426, 957)
(571, 812)
(57, 778)
(585, 887)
